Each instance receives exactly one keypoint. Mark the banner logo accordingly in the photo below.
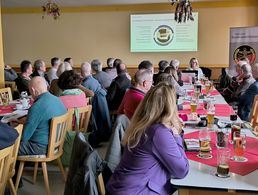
(245, 51)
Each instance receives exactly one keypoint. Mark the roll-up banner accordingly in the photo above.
(243, 44)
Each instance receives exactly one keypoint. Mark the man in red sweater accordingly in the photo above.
(132, 98)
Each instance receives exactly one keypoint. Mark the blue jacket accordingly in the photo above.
(8, 135)
(36, 128)
(245, 101)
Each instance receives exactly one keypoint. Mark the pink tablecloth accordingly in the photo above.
(6, 109)
(241, 168)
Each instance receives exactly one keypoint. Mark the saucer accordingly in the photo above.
(206, 156)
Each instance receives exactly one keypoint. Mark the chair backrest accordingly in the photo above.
(254, 114)
(15, 150)
(5, 160)
(58, 128)
(84, 114)
(6, 93)
(12, 85)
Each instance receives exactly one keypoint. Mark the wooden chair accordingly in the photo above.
(12, 85)
(57, 133)
(254, 115)
(5, 160)
(101, 185)
(13, 159)
(6, 92)
(84, 118)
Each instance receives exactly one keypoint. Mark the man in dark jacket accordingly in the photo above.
(118, 88)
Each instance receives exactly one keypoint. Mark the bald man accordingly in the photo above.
(100, 107)
(36, 128)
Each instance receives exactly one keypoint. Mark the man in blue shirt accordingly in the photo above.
(36, 128)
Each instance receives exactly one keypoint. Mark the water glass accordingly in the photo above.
(204, 141)
(239, 146)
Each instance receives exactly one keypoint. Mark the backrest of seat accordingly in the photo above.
(12, 85)
(5, 160)
(16, 147)
(58, 128)
(6, 93)
(254, 114)
(84, 114)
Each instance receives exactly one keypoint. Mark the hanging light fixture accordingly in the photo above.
(183, 10)
(51, 9)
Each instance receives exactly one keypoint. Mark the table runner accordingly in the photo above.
(241, 168)
(6, 109)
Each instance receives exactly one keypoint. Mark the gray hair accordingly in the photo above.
(142, 75)
(247, 70)
(63, 67)
(175, 63)
(255, 70)
(85, 68)
(38, 64)
(96, 65)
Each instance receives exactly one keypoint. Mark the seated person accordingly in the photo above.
(9, 73)
(135, 94)
(194, 65)
(110, 69)
(162, 65)
(51, 74)
(40, 70)
(153, 147)
(245, 101)
(175, 64)
(99, 106)
(22, 81)
(69, 60)
(146, 64)
(8, 135)
(118, 88)
(36, 128)
(71, 96)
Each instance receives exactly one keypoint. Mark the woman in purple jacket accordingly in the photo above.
(153, 147)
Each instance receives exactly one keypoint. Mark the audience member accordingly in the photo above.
(175, 63)
(146, 64)
(118, 88)
(246, 79)
(133, 97)
(70, 61)
(99, 106)
(36, 128)
(245, 101)
(110, 69)
(71, 96)
(162, 65)
(154, 150)
(172, 71)
(9, 73)
(22, 81)
(103, 78)
(194, 65)
(8, 135)
(54, 89)
(55, 62)
(40, 70)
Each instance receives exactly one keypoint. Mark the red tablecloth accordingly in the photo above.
(212, 93)
(241, 168)
(220, 110)
(6, 109)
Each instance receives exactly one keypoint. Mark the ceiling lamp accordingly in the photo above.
(51, 9)
(183, 10)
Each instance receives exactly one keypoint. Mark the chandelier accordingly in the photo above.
(51, 9)
(183, 10)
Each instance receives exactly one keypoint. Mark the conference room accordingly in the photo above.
(135, 31)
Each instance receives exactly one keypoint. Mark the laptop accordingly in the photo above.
(187, 75)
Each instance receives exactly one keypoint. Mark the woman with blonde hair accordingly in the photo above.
(154, 149)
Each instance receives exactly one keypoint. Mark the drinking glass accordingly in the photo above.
(223, 158)
(222, 138)
(207, 88)
(204, 141)
(210, 113)
(193, 105)
(239, 146)
(235, 127)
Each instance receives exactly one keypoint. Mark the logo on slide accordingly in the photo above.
(163, 35)
(245, 51)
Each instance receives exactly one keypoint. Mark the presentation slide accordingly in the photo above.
(161, 33)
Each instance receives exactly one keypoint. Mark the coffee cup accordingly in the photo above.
(25, 103)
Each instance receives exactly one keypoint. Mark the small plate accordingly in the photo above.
(208, 156)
